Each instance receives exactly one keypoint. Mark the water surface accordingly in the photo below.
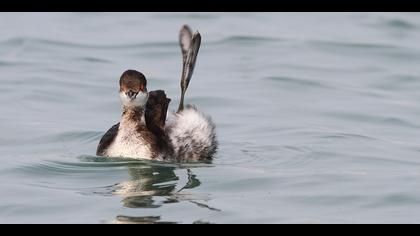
(317, 117)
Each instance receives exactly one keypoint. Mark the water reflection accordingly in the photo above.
(141, 220)
(149, 185)
(145, 183)
(152, 186)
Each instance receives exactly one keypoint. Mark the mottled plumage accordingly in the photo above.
(144, 131)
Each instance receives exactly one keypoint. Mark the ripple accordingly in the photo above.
(297, 82)
(327, 200)
(20, 41)
(146, 179)
(247, 39)
(376, 50)
(389, 161)
(347, 136)
(15, 63)
(395, 121)
(46, 168)
(89, 164)
(206, 101)
(394, 200)
(96, 60)
(398, 83)
(399, 24)
(354, 45)
(73, 136)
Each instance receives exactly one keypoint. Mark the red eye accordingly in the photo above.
(141, 87)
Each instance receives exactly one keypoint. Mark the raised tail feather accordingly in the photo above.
(191, 133)
(190, 45)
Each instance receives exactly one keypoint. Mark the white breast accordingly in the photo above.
(129, 144)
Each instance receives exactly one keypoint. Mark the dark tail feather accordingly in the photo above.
(155, 115)
(185, 38)
(190, 45)
(156, 111)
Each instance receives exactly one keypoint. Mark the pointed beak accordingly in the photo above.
(132, 95)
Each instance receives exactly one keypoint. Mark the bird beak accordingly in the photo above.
(132, 95)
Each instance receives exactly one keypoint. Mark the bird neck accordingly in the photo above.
(133, 115)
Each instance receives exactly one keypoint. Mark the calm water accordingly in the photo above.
(318, 118)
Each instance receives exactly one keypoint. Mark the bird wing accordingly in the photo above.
(107, 139)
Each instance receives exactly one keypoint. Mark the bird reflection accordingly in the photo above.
(145, 183)
(151, 186)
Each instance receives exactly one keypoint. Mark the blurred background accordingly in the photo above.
(317, 117)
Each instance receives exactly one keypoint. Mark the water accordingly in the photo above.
(317, 117)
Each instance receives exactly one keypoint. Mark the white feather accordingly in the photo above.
(129, 143)
(139, 101)
(192, 132)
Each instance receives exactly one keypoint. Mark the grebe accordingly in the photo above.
(144, 132)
